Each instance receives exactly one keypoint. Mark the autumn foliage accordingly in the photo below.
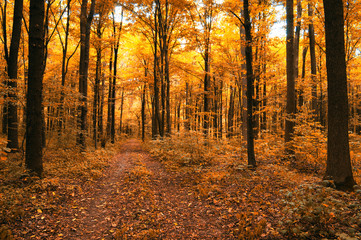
(248, 111)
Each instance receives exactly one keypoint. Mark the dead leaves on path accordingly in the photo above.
(185, 192)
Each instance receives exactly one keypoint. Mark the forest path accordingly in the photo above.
(138, 198)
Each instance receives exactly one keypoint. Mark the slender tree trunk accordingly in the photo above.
(297, 37)
(155, 105)
(121, 111)
(85, 24)
(290, 107)
(64, 69)
(220, 126)
(264, 102)
(243, 87)
(12, 64)
(338, 152)
(168, 120)
(110, 88)
(187, 123)
(311, 34)
(101, 111)
(34, 120)
(143, 106)
(96, 99)
(231, 113)
(112, 111)
(300, 97)
(250, 79)
(215, 107)
(206, 91)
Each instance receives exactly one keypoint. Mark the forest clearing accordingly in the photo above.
(179, 119)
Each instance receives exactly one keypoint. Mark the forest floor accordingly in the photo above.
(151, 192)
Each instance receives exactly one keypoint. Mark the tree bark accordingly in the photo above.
(96, 98)
(311, 36)
(64, 69)
(338, 153)
(34, 120)
(85, 24)
(297, 37)
(290, 106)
(250, 79)
(300, 97)
(230, 121)
(121, 111)
(11, 126)
(155, 102)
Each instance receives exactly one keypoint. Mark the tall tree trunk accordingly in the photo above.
(155, 102)
(264, 101)
(64, 69)
(338, 152)
(121, 111)
(311, 35)
(34, 120)
(250, 79)
(300, 97)
(110, 88)
(144, 102)
(206, 91)
(243, 87)
(101, 111)
(230, 127)
(85, 24)
(215, 108)
(290, 107)
(220, 122)
(112, 110)
(297, 37)
(167, 105)
(96, 99)
(12, 67)
(187, 123)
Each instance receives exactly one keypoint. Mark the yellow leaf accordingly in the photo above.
(39, 211)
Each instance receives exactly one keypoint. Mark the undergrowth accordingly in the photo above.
(64, 169)
(276, 201)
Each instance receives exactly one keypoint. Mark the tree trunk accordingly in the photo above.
(64, 69)
(34, 120)
(10, 114)
(230, 121)
(85, 24)
(297, 37)
(112, 110)
(155, 102)
(100, 114)
(250, 79)
(121, 112)
(300, 97)
(96, 98)
(338, 153)
(143, 108)
(290, 107)
(220, 122)
(187, 123)
(110, 88)
(206, 91)
(311, 36)
(243, 87)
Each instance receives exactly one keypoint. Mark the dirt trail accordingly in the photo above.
(136, 199)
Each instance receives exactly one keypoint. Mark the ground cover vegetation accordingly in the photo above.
(248, 112)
